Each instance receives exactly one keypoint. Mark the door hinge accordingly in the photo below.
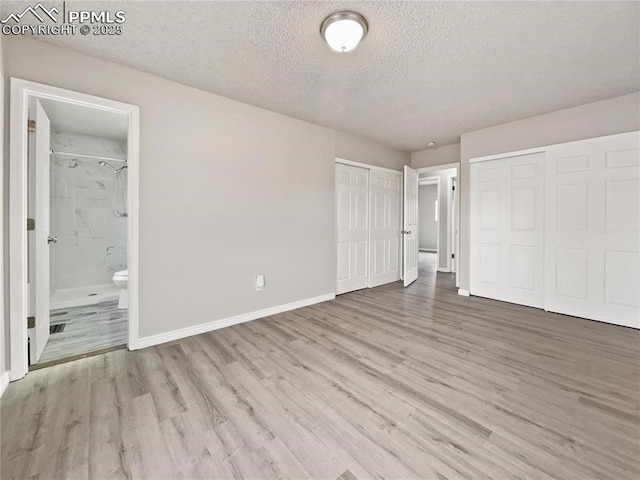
(31, 126)
(31, 224)
(31, 322)
(453, 255)
(453, 187)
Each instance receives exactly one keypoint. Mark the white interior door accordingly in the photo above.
(352, 224)
(39, 180)
(592, 236)
(386, 216)
(507, 231)
(410, 227)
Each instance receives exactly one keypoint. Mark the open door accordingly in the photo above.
(410, 227)
(39, 172)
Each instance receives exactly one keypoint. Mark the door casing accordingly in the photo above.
(21, 93)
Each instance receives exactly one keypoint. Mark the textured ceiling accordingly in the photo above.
(426, 70)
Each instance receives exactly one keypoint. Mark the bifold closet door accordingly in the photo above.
(386, 215)
(592, 234)
(352, 228)
(507, 229)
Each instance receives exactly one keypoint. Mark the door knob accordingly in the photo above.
(52, 239)
(406, 232)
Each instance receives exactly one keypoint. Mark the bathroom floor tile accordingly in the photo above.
(88, 329)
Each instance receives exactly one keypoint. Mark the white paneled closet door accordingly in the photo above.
(592, 233)
(507, 231)
(352, 225)
(386, 216)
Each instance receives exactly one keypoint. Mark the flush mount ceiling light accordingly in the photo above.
(344, 30)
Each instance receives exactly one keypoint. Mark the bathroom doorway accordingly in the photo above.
(74, 187)
(438, 214)
(86, 243)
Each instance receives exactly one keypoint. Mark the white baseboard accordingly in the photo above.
(463, 292)
(227, 322)
(4, 382)
(444, 270)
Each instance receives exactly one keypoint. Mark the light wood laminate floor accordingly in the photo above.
(381, 383)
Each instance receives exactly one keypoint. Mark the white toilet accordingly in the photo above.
(121, 279)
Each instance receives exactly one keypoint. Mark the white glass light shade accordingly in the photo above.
(344, 30)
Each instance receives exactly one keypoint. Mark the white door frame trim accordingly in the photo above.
(21, 91)
(454, 241)
(450, 251)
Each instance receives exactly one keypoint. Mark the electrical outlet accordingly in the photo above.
(259, 282)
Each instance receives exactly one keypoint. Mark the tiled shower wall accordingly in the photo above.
(92, 242)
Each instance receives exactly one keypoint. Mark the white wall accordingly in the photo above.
(436, 156)
(427, 225)
(358, 149)
(607, 117)
(227, 191)
(92, 241)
